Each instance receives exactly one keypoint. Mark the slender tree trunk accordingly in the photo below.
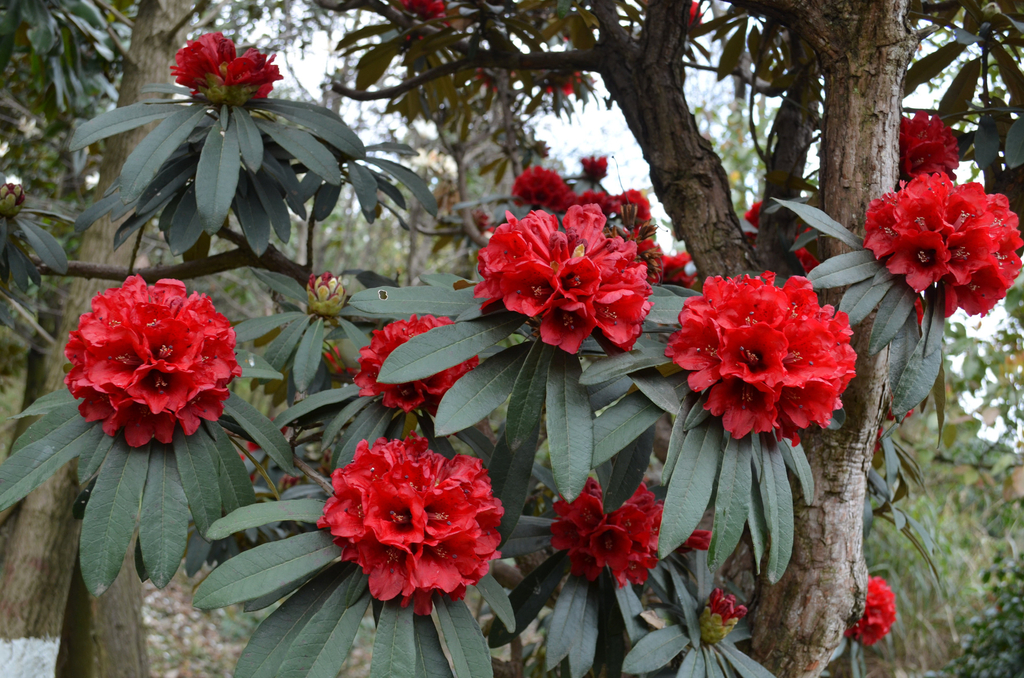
(41, 552)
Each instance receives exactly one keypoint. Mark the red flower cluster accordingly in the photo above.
(426, 9)
(610, 204)
(753, 215)
(932, 231)
(694, 17)
(626, 540)
(700, 540)
(720, 616)
(927, 146)
(146, 358)
(425, 393)
(678, 269)
(773, 358)
(879, 613)
(576, 280)
(643, 205)
(543, 188)
(595, 168)
(414, 521)
(209, 66)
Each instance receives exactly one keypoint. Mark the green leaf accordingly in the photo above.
(118, 120)
(675, 447)
(530, 534)
(628, 470)
(656, 649)
(371, 424)
(332, 429)
(265, 568)
(569, 426)
(690, 488)
(462, 635)
(308, 355)
(621, 424)
(867, 302)
(528, 395)
(305, 148)
(563, 8)
(349, 331)
(693, 665)
(796, 461)
(565, 620)
(198, 471)
(986, 142)
(264, 432)
(327, 124)
(255, 367)
(46, 403)
(822, 222)
(96, 210)
(630, 608)
(45, 245)
(250, 142)
(931, 66)
(31, 465)
(283, 284)
(1014, 151)
(607, 369)
(255, 515)
(667, 307)
(744, 665)
(777, 499)
(110, 516)
(430, 659)
(365, 187)
(163, 531)
(401, 302)
(687, 603)
(660, 389)
(145, 161)
(52, 420)
(394, 647)
(254, 328)
(895, 308)
(924, 364)
(584, 648)
(92, 458)
(232, 478)
(186, 226)
(844, 269)
(529, 597)
(315, 402)
(419, 188)
(480, 390)
(733, 489)
(217, 174)
(442, 347)
(496, 597)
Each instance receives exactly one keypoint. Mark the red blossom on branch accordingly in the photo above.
(927, 146)
(635, 197)
(423, 393)
(609, 204)
(595, 168)
(932, 231)
(147, 358)
(773, 359)
(541, 187)
(210, 66)
(426, 9)
(576, 280)
(879, 613)
(417, 523)
(678, 269)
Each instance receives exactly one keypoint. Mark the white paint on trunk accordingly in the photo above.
(28, 657)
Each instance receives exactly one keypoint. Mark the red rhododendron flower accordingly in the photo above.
(679, 269)
(700, 540)
(209, 66)
(932, 231)
(635, 197)
(423, 393)
(417, 523)
(595, 167)
(879, 613)
(425, 9)
(576, 279)
(543, 188)
(146, 358)
(773, 359)
(753, 215)
(625, 540)
(927, 146)
(694, 17)
(609, 204)
(720, 616)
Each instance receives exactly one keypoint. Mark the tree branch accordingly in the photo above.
(313, 475)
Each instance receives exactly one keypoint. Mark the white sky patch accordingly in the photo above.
(28, 657)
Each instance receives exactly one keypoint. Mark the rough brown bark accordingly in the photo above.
(41, 552)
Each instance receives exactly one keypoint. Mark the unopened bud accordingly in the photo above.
(325, 294)
(11, 198)
(720, 617)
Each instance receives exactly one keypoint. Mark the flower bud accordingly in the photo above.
(991, 11)
(326, 295)
(720, 617)
(11, 198)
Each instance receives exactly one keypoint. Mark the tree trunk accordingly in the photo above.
(40, 554)
(864, 47)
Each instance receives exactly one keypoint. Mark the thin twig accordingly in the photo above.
(32, 321)
(310, 230)
(135, 250)
(117, 15)
(313, 475)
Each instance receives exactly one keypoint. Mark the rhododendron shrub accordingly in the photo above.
(879, 613)
(415, 522)
(927, 146)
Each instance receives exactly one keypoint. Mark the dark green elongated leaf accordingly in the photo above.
(778, 508)
(394, 647)
(283, 284)
(410, 180)
(926, 361)
(401, 302)
(110, 517)
(325, 201)
(1014, 151)
(621, 424)
(163, 531)
(687, 603)
(275, 174)
(657, 388)
(118, 120)
(198, 471)
(607, 369)
(866, 304)
(845, 269)
(569, 426)
(496, 597)
(46, 403)
(264, 432)
(933, 323)
(254, 328)
(217, 173)
(365, 186)
(796, 461)
(327, 124)
(255, 367)
(275, 636)
(656, 649)
(628, 470)
(265, 568)
(167, 183)
(675, 447)
(530, 534)
(332, 429)
(744, 665)
(583, 650)
(315, 402)
(28, 467)
(631, 608)
(256, 223)
(465, 641)
(529, 597)
(233, 480)
(371, 424)
(698, 414)
(145, 161)
(305, 148)
(902, 349)
(822, 222)
(693, 665)
(731, 500)
(758, 525)
(284, 344)
(528, 394)
(45, 245)
(186, 226)
(897, 305)
(322, 647)
(90, 460)
(250, 142)
(986, 142)
(96, 210)
(932, 65)
(667, 307)
(52, 420)
(308, 355)
(565, 620)
(430, 659)
(276, 209)
(352, 333)
(480, 391)
(255, 515)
